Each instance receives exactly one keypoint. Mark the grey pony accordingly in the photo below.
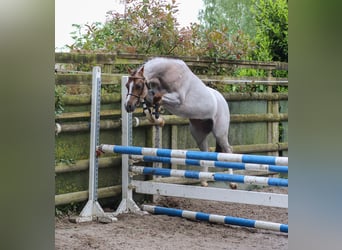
(171, 83)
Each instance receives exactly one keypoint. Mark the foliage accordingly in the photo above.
(244, 88)
(282, 89)
(69, 209)
(265, 22)
(60, 90)
(248, 30)
(234, 14)
(146, 27)
(150, 27)
(110, 88)
(271, 18)
(65, 161)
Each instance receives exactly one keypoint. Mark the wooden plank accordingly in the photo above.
(86, 114)
(115, 58)
(255, 96)
(105, 192)
(83, 165)
(116, 97)
(78, 77)
(244, 79)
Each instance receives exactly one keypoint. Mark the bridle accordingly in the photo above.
(156, 107)
(142, 89)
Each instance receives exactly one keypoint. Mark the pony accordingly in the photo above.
(170, 83)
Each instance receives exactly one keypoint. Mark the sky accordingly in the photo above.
(68, 12)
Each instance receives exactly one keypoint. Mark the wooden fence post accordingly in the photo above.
(272, 127)
(174, 141)
(107, 68)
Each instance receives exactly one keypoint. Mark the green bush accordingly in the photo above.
(271, 18)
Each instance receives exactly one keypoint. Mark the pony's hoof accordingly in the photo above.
(233, 185)
(204, 183)
(161, 122)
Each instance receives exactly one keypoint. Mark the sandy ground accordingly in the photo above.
(133, 231)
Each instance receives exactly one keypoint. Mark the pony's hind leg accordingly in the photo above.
(223, 146)
(199, 130)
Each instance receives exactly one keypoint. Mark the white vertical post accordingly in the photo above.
(93, 209)
(94, 132)
(127, 203)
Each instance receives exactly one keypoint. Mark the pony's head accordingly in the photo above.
(136, 89)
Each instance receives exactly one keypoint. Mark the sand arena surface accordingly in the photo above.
(133, 231)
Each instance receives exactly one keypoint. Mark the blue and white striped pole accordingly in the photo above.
(216, 218)
(217, 164)
(199, 155)
(210, 176)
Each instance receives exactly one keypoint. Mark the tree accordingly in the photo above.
(271, 18)
(233, 14)
(264, 21)
(150, 27)
(146, 27)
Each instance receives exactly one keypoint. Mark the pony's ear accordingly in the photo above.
(142, 71)
(129, 70)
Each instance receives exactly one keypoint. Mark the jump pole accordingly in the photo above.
(217, 218)
(199, 155)
(269, 181)
(216, 164)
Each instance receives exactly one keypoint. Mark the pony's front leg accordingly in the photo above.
(168, 99)
(171, 99)
(161, 98)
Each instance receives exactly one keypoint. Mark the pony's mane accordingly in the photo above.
(164, 60)
(162, 64)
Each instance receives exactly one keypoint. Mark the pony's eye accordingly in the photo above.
(137, 86)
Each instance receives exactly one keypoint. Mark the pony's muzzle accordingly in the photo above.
(129, 107)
